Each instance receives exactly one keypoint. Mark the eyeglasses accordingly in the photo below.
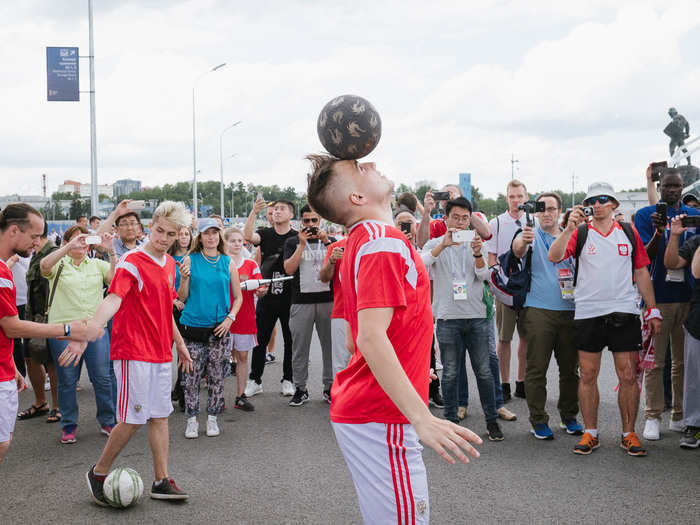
(310, 221)
(601, 199)
(128, 224)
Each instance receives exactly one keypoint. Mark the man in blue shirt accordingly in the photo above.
(547, 323)
(672, 288)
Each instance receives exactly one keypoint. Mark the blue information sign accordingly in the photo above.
(62, 74)
(465, 184)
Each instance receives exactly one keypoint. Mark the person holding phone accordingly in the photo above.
(128, 223)
(209, 277)
(80, 282)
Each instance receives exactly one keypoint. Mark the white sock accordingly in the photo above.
(592, 431)
(212, 418)
(625, 434)
(192, 419)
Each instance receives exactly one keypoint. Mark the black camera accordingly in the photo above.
(532, 207)
(588, 211)
(311, 230)
(662, 211)
(406, 226)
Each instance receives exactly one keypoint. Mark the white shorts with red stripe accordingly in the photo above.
(143, 391)
(388, 472)
(8, 409)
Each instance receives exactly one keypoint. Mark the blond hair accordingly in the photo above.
(515, 183)
(174, 212)
(228, 232)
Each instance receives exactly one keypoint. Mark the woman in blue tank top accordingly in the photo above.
(207, 276)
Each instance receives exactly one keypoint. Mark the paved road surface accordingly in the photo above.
(281, 465)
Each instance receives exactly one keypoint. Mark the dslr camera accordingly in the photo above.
(532, 207)
(311, 230)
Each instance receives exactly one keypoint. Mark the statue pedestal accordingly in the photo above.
(690, 174)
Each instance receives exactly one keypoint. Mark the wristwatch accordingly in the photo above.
(232, 317)
(66, 330)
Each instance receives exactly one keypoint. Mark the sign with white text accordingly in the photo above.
(62, 74)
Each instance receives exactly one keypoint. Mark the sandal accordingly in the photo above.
(54, 416)
(33, 411)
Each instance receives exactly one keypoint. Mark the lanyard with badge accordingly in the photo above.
(459, 284)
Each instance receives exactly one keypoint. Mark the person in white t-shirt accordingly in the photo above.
(606, 313)
(503, 229)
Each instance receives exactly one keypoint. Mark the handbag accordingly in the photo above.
(197, 334)
(38, 344)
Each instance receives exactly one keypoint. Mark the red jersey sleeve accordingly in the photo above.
(126, 276)
(641, 259)
(8, 306)
(571, 246)
(382, 275)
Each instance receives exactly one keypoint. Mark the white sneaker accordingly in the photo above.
(288, 388)
(192, 430)
(252, 388)
(676, 426)
(212, 427)
(651, 430)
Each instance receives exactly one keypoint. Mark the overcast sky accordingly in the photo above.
(567, 87)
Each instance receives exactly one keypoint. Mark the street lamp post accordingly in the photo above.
(194, 141)
(221, 163)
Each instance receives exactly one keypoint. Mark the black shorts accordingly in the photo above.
(620, 332)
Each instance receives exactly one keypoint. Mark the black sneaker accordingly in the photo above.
(520, 389)
(327, 396)
(691, 437)
(96, 487)
(299, 398)
(436, 399)
(506, 392)
(269, 359)
(494, 431)
(166, 489)
(243, 403)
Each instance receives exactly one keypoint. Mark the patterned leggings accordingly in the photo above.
(207, 359)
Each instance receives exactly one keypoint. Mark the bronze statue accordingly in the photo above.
(678, 130)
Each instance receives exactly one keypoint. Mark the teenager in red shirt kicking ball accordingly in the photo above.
(380, 401)
(140, 298)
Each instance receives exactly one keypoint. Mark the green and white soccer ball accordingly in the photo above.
(123, 487)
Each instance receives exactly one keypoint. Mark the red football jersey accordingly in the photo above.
(380, 269)
(245, 318)
(337, 290)
(142, 329)
(8, 308)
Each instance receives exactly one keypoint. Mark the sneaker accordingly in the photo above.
(68, 434)
(300, 397)
(106, 429)
(676, 426)
(632, 445)
(587, 444)
(252, 388)
(691, 437)
(651, 429)
(192, 430)
(212, 427)
(542, 431)
(505, 387)
(243, 403)
(436, 399)
(506, 414)
(269, 359)
(287, 388)
(327, 396)
(494, 431)
(520, 389)
(461, 413)
(166, 489)
(96, 487)
(571, 426)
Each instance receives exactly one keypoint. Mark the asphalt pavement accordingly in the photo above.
(281, 465)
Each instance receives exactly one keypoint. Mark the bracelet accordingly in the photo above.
(653, 313)
(66, 330)
(232, 317)
(478, 256)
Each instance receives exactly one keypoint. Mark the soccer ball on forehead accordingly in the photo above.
(123, 487)
(349, 127)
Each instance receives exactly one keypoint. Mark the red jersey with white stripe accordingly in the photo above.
(605, 265)
(245, 318)
(438, 227)
(142, 329)
(337, 289)
(8, 308)
(381, 269)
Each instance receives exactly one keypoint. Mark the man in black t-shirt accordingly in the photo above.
(312, 303)
(275, 305)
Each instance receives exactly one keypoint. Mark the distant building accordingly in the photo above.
(69, 186)
(102, 189)
(125, 186)
(631, 201)
(36, 201)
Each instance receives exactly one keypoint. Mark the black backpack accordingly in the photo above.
(582, 235)
(510, 279)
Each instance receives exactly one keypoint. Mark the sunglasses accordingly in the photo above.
(602, 199)
(309, 221)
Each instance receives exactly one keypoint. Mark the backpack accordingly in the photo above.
(510, 279)
(582, 235)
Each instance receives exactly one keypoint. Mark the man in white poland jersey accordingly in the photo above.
(380, 400)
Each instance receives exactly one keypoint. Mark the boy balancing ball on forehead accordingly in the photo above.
(380, 400)
(140, 298)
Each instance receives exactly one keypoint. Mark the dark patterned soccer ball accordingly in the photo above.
(349, 127)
